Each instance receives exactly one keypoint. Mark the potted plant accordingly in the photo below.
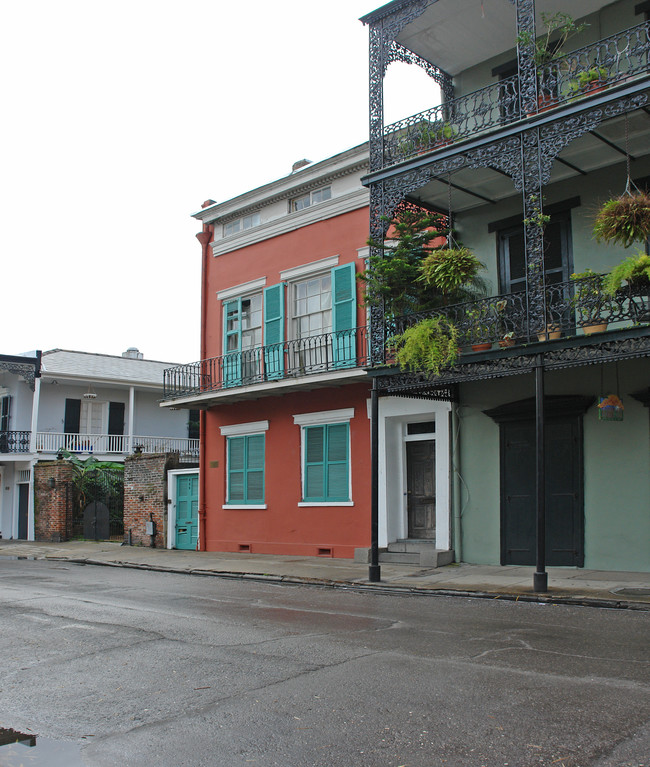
(624, 220)
(428, 345)
(427, 136)
(547, 49)
(589, 300)
(588, 81)
(453, 271)
(634, 271)
(508, 339)
(480, 328)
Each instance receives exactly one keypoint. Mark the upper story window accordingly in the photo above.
(312, 306)
(311, 198)
(241, 224)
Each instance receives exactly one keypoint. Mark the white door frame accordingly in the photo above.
(394, 415)
(171, 503)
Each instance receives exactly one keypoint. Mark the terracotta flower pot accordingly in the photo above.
(590, 329)
(504, 343)
(481, 347)
(552, 332)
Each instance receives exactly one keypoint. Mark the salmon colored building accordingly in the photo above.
(285, 426)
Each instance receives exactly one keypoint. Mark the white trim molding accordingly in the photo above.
(324, 417)
(241, 429)
(364, 252)
(307, 269)
(326, 503)
(241, 290)
(244, 506)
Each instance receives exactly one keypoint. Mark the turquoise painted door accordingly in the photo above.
(187, 511)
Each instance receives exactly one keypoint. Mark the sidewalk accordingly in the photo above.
(566, 585)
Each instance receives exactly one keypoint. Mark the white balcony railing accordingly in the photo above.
(107, 444)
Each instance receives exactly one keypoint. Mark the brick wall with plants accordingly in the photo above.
(145, 496)
(52, 499)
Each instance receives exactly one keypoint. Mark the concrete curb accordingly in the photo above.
(366, 586)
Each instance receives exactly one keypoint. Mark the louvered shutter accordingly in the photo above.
(274, 331)
(232, 343)
(344, 315)
(255, 469)
(338, 475)
(72, 416)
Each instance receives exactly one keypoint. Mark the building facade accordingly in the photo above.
(533, 131)
(281, 384)
(87, 404)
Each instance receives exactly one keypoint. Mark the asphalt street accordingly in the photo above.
(147, 668)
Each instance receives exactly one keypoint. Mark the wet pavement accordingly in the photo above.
(598, 588)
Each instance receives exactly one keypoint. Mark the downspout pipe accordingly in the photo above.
(204, 237)
(374, 569)
(456, 487)
(540, 577)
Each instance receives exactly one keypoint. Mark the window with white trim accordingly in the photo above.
(245, 456)
(311, 198)
(325, 443)
(245, 459)
(240, 224)
(320, 323)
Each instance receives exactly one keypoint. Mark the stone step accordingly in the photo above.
(399, 558)
(411, 544)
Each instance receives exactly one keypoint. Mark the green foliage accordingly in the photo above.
(89, 473)
(426, 135)
(588, 297)
(634, 270)
(451, 269)
(429, 345)
(584, 79)
(561, 27)
(624, 220)
(392, 277)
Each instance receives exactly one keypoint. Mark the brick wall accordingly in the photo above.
(145, 494)
(51, 502)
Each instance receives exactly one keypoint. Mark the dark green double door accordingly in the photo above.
(564, 492)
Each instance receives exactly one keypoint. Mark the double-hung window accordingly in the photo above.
(311, 198)
(245, 449)
(242, 339)
(325, 440)
(240, 224)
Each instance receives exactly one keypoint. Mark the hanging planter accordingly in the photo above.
(624, 220)
(610, 408)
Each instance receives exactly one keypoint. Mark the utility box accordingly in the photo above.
(149, 528)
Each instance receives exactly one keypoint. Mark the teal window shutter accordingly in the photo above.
(246, 469)
(274, 331)
(344, 315)
(327, 464)
(232, 372)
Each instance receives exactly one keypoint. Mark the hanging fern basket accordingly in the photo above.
(624, 220)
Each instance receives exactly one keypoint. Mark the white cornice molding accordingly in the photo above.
(241, 289)
(312, 268)
(240, 429)
(306, 179)
(324, 416)
(337, 206)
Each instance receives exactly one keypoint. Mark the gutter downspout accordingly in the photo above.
(456, 490)
(204, 238)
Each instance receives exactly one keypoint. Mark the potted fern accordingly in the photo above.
(430, 345)
(624, 220)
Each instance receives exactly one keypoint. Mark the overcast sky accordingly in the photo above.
(121, 118)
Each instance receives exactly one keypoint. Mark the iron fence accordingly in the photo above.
(15, 441)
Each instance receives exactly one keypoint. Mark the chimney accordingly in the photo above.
(300, 164)
(133, 353)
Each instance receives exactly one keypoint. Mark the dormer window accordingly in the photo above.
(311, 198)
(241, 224)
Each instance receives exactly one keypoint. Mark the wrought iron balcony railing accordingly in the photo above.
(340, 350)
(15, 441)
(567, 78)
(574, 307)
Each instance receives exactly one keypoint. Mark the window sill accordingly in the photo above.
(326, 503)
(244, 506)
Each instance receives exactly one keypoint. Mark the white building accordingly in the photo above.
(89, 404)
